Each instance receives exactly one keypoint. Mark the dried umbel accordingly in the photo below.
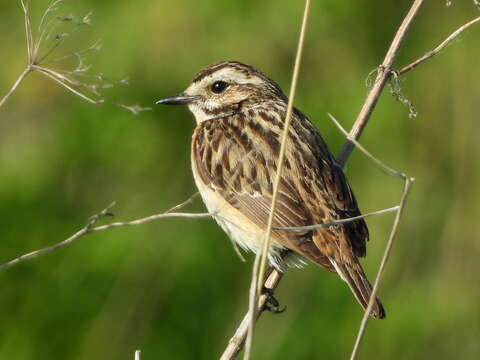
(70, 69)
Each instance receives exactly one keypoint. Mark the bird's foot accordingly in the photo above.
(272, 304)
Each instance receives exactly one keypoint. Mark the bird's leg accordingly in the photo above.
(272, 304)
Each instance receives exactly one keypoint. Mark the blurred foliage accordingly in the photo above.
(175, 288)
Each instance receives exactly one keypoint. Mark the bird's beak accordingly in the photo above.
(178, 99)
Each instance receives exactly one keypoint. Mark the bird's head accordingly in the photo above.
(224, 88)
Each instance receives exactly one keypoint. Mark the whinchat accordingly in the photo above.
(240, 114)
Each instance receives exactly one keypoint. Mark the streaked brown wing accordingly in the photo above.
(356, 231)
(236, 167)
(333, 185)
(240, 162)
(243, 171)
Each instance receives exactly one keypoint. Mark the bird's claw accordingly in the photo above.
(272, 304)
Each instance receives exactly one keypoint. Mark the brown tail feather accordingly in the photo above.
(360, 286)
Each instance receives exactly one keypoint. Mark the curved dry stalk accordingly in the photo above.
(62, 81)
(381, 269)
(393, 233)
(260, 262)
(90, 228)
(383, 74)
(439, 48)
(337, 222)
(381, 165)
(399, 211)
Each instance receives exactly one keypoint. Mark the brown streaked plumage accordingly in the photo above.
(240, 114)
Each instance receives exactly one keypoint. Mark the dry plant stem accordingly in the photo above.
(61, 80)
(22, 76)
(259, 270)
(253, 311)
(29, 39)
(407, 183)
(439, 48)
(185, 203)
(382, 76)
(381, 270)
(281, 155)
(382, 166)
(28, 30)
(236, 342)
(337, 222)
(90, 228)
(138, 355)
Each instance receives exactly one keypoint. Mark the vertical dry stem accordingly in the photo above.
(381, 269)
(384, 71)
(138, 355)
(261, 257)
(236, 342)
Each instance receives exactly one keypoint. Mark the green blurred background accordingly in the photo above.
(175, 288)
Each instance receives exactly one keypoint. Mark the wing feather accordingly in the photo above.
(241, 167)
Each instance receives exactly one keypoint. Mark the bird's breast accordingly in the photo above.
(238, 227)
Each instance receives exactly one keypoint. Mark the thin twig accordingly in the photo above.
(399, 211)
(55, 76)
(337, 222)
(253, 310)
(183, 204)
(381, 270)
(259, 270)
(25, 72)
(29, 40)
(28, 30)
(383, 73)
(281, 156)
(236, 342)
(439, 48)
(381, 165)
(90, 228)
(150, 218)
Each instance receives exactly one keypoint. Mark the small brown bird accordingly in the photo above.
(240, 114)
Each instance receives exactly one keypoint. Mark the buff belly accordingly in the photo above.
(238, 227)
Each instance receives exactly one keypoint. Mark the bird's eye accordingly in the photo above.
(219, 86)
